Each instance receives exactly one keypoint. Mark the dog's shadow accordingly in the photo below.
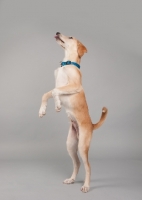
(111, 183)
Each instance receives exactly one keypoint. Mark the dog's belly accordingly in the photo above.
(70, 115)
(61, 78)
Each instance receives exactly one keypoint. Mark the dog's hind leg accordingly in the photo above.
(85, 134)
(72, 147)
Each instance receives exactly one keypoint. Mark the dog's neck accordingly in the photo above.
(72, 57)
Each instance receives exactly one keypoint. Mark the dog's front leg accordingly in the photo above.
(43, 106)
(65, 90)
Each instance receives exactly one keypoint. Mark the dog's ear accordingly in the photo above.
(81, 49)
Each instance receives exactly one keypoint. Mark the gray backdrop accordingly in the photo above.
(112, 75)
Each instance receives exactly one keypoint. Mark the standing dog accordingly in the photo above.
(70, 94)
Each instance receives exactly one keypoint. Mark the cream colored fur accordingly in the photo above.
(69, 93)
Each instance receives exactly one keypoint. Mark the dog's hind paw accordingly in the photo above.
(68, 181)
(85, 188)
(42, 111)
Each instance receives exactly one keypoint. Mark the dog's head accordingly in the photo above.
(71, 44)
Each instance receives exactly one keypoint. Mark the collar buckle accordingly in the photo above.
(68, 62)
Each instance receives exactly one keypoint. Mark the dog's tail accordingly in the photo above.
(102, 119)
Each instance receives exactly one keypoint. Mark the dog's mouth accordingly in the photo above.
(58, 38)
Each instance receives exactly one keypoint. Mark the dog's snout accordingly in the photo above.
(57, 33)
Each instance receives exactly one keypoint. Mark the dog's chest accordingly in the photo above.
(61, 77)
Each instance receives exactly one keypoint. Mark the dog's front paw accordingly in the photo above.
(85, 188)
(42, 111)
(68, 181)
(58, 106)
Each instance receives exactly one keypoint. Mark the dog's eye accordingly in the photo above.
(70, 37)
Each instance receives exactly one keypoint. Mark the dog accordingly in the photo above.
(69, 93)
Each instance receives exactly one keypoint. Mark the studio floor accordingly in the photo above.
(111, 179)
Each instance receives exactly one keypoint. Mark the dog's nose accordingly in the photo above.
(57, 33)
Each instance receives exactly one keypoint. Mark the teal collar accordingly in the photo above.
(70, 63)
